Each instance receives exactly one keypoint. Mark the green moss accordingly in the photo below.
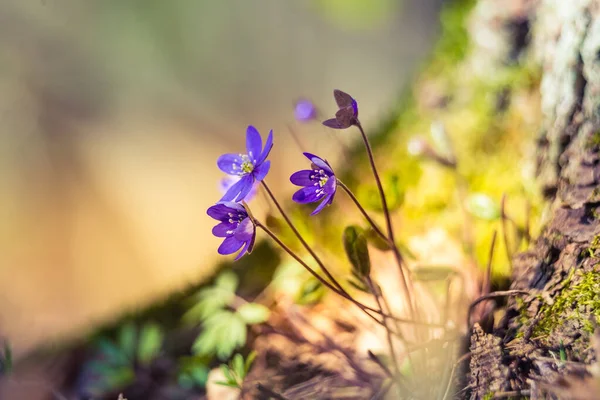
(594, 246)
(593, 141)
(569, 304)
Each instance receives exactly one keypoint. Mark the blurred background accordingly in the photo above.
(113, 113)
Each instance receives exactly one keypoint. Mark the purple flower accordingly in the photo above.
(347, 115)
(251, 167)
(236, 227)
(305, 110)
(228, 181)
(319, 183)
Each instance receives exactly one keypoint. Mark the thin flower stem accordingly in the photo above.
(313, 272)
(388, 219)
(388, 331)
(363, 307)
(364, 212)
(301, 239)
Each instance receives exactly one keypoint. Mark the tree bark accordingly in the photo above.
(542, 347)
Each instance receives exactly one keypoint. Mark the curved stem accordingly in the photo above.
(313, 272)
(363, 212)
(388, 219)
(363, 307)
(301, 239)
(388, 330)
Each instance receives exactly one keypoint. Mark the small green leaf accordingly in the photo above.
(237, 365)
(482, 206)
(311, 291)
(113, 354)
(227, 280)
(253, 313)
(355, 244)
(230, 384)
(227, 373)
(249, 361)
(358, 285)
(376, 240)
(150, 342)
(222, 333)
(119, 377)
(127, 340)
(7, 361)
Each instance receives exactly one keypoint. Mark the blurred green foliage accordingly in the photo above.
(235, 372)
(222, 318)
(118, 360)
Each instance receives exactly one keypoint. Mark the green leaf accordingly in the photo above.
(113, 354)
(355, 244)
(119, 377)
(311, 292)
(237, 365)
(227, 373)
(209, 301)
(249, 361)
(253, 313)
(7, 361)
(150, 342)
(222, 333)
(358, 285)
(376, 240)
(482, 206)
(230, 384)
(127, 340)
(227, 280)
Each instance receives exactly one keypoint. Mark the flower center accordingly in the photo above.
(323, 181)
(247, 166)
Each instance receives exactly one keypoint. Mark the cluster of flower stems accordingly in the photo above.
(238, 225)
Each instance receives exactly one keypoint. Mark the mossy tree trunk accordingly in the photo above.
(542, 347)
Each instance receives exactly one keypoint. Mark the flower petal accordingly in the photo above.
(218, 211)
(330, 186)
(230, 163)
(245, 230)
(326, 201)
(319, 162)
(302, 178)
(229, 246)
(237, 188)
(253, 143)
(333, 123)
(262, 170)
(306, 195)
(246, 184)
(224, 229)
(267, 149)
(342, 99)
(305, 110)
(248, 246)
(345, 117)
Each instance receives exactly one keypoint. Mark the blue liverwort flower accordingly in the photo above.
(227, 182)
(236, 227)
(305, 110)
(347, 115)
(319, 183)
(251, 167)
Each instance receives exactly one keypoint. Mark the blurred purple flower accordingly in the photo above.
(305, 110)
(319, 183)
(251, 167)
(347, 115)
(235, 226)
(227, 182)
